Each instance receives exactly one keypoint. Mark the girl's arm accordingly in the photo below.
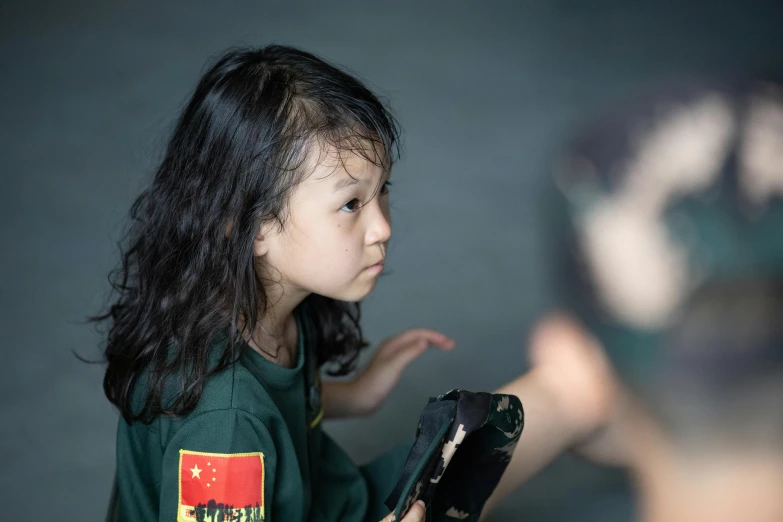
(365, 394)
(342, 399)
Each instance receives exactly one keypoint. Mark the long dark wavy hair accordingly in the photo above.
(188, 273)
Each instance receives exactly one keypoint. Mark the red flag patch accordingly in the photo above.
(218, 484)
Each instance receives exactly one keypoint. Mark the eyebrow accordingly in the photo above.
(345, 182)
(349, 182)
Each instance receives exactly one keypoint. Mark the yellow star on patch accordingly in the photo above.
(196, 472)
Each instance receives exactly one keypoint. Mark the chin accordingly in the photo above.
(359, 296)
(354, 295)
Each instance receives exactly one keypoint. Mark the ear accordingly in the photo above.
(260, 244)
(262, 241)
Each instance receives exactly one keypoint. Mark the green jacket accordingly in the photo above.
(253, 448)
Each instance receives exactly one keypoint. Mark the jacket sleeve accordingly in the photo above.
(219, 465)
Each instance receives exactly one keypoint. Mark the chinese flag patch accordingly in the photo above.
(220, 486)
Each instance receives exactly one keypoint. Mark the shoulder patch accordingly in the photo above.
(222, 486)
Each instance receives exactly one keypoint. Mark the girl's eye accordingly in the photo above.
(355, 204)
(351, 206)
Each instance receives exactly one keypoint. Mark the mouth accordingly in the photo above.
(376, 267)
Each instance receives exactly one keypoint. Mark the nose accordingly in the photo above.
(379, 229)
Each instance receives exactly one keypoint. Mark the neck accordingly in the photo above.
(275, 337)
(282, 299)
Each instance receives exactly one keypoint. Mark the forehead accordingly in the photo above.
(329, 165)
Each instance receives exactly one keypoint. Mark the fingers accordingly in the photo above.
(396, 353)
(416, 513)
(397, 360)
(422, 337)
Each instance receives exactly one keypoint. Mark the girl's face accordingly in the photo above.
(334, 239)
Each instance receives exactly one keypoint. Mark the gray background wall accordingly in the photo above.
(486, 91)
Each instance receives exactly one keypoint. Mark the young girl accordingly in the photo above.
(267, 220)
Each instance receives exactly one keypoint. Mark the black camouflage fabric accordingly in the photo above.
(463, 444)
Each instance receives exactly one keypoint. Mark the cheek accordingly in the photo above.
(322, 245)
(336, 258)
(334, 242)
(347, 239)
(298, 245)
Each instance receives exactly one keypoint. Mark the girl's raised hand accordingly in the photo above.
(392, 357)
